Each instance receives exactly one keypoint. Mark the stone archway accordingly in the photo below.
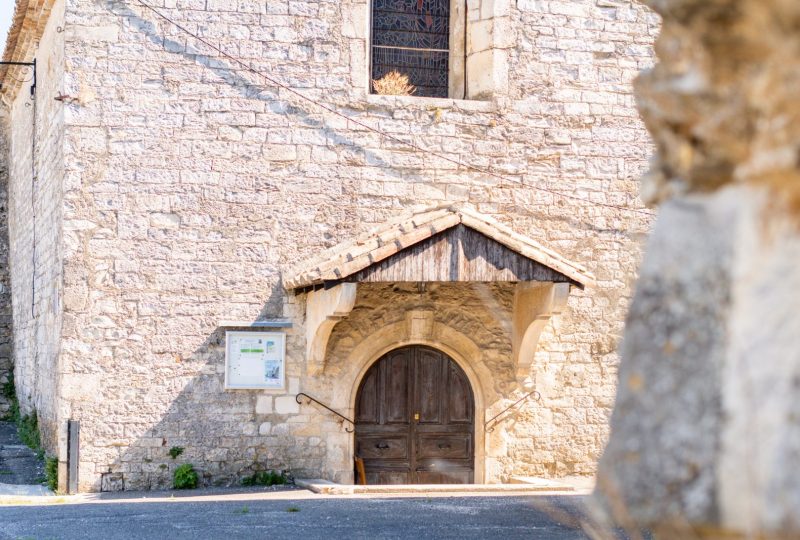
(457, 346)
(415, 416)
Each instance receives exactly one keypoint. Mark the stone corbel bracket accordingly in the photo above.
(325, 308)
(534, 304)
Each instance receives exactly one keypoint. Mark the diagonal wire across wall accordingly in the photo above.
(388, 136)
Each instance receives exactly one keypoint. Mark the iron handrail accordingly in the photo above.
(504, 411)
(318, 402)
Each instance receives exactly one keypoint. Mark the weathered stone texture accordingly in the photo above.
(190, 184)
(6, 346)
(704, 437)
(36, 131)
(678, 313)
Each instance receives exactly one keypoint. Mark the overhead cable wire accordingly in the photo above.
(388, 136)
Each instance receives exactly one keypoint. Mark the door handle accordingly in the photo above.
(382, 446)
(443, 446)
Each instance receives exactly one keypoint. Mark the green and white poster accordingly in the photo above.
(255, 360)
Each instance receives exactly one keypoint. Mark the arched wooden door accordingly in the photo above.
(415, 417)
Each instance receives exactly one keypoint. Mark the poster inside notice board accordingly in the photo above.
(255, 360)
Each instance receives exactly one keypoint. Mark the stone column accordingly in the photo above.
(705, 435)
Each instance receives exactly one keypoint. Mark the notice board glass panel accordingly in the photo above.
(255, 360)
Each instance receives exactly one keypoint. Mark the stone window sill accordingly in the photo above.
(429, 102)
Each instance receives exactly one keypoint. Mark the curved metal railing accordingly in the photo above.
(342, 417)
(494, 418)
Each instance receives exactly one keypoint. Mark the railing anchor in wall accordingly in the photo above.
(489, 425)
(342, 418)
(31, 65)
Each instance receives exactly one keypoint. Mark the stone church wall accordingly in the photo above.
(6, 347)
(190, 185)
(35, 207)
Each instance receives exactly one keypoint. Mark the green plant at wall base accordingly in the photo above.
(9, 392)
(28, 431)
(265, 478)
(13, 412)
(185, 477)
(51, 473)
(28, 425)
(175, 451)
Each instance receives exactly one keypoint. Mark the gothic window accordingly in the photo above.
(412, 37)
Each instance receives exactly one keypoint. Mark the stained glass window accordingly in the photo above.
(412, 37)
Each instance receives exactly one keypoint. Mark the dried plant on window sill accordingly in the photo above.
(393, 83)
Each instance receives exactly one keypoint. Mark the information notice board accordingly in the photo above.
(255, 360)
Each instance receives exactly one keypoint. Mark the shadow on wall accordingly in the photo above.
(230, 74)
(220, 432)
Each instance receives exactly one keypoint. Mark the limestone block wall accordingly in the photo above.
(189, 184)
(6, 347)
(35, 208)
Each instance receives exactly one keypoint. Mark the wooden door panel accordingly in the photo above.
(367, 405)
(463, 476)
(438, 446)
(435, 446)
(388, 477)
(395, 397)
(460, 407)
(383, 447)
(428, 400)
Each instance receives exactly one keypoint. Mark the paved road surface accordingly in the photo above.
(301, 516)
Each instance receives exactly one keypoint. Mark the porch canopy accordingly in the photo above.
(440, 244)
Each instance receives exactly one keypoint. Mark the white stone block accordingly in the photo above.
(108, 32)
(286, 405)
(165, 221)
(264, 405)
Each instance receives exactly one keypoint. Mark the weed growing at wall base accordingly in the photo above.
(28, 431)
(51, 473)
(185, 477)
(265, 478)
(9, 392)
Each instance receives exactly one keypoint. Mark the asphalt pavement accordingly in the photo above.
(302, 516)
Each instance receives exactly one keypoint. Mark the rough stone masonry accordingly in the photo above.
(705, 435)
(156, 188)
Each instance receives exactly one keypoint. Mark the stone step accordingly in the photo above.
(19, 465)
(331, 488)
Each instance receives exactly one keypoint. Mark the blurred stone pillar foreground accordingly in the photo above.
(705, 435)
